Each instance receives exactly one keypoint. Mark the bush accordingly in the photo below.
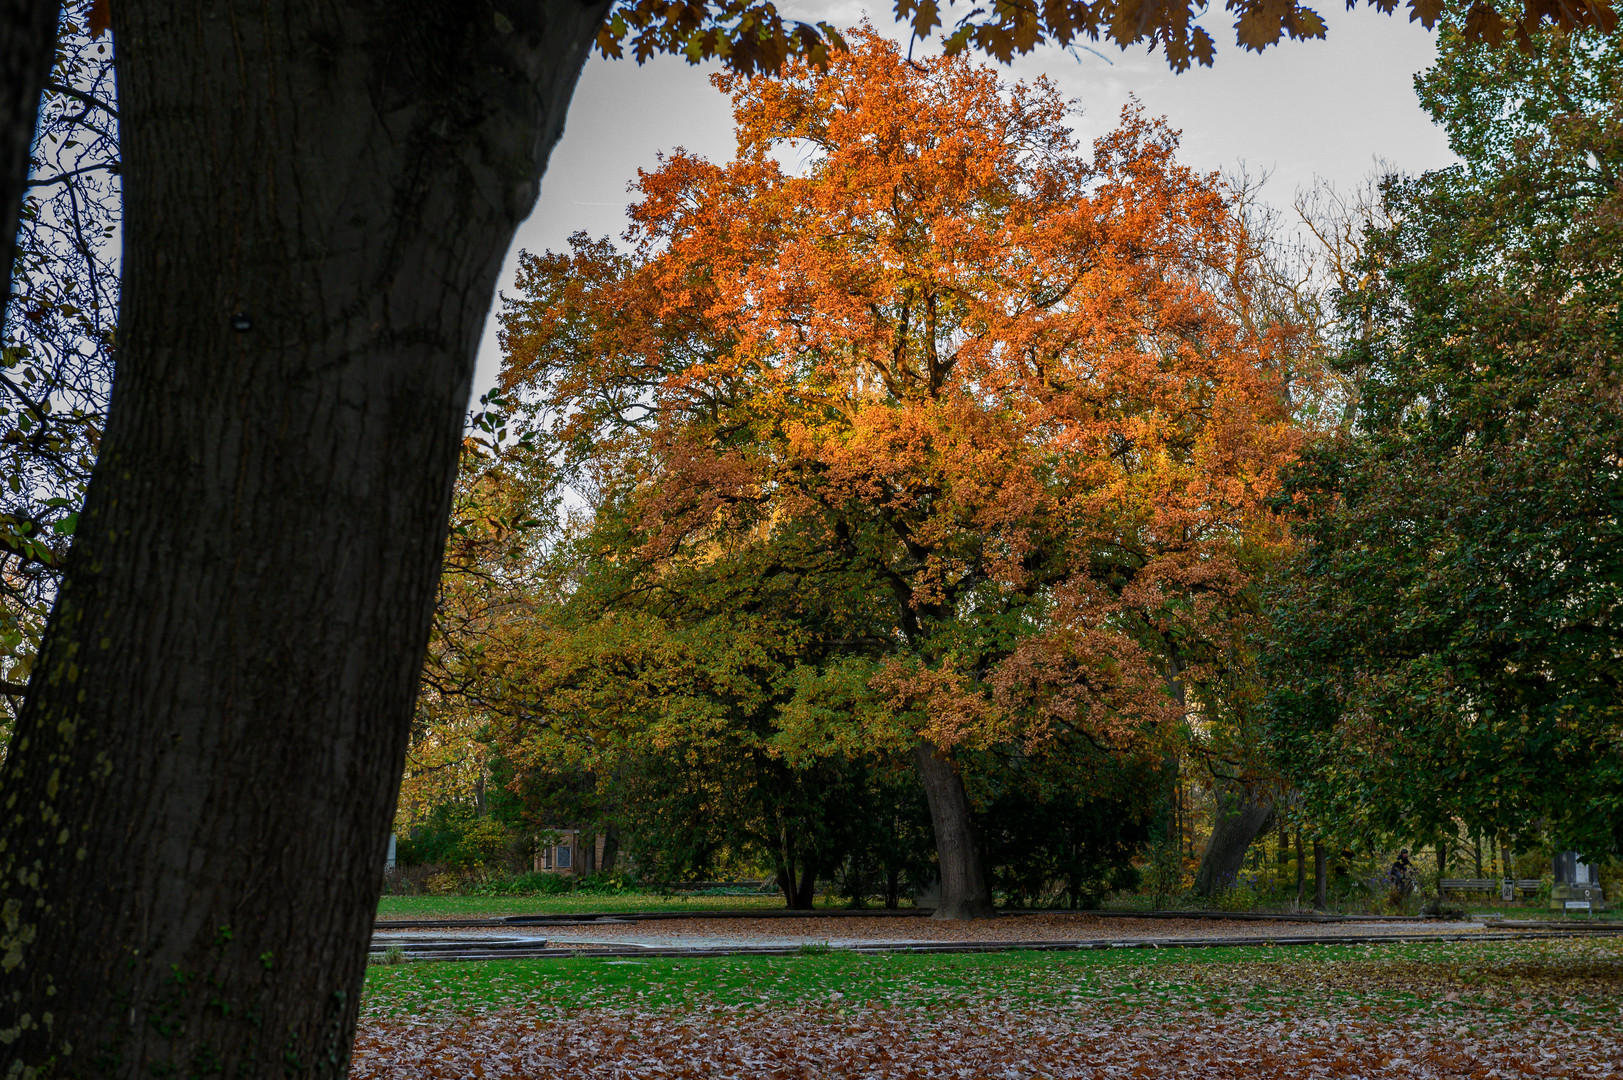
(541, 883)
(455, 838)
(1241, 896)
(535, 883)
(484, 842)
(401, 880)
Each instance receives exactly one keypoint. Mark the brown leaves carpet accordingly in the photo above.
(1471, 1010)
(740, 1041)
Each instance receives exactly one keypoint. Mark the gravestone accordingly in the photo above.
(1577, 888)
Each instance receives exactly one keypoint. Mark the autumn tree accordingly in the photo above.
(318, 199)
(502, 522)
(950, 375)
(1447, 646)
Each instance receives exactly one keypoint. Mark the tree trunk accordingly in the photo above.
(586, 861)
(1301, 867)
(1239, 817)
(964, 892)
(318, 200)
(806, 891)
(25, 65)
(1321, 883)
(611, 848)
(798, 888)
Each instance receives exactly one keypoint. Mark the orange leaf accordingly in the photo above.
(101, 17)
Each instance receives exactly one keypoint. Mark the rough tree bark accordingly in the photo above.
(964, 890)
(26, 49)
(1240, 816)
(198, 793)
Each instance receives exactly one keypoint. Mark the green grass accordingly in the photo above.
(451, 907)
(1577, 980)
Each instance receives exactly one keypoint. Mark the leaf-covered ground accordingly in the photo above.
(1538, 1008)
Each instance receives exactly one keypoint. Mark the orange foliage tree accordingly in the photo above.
(914, 337)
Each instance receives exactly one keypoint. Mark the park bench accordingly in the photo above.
(1526, 886)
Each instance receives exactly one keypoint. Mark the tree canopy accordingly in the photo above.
(1449, 642)
(752, 37)
(947, 422)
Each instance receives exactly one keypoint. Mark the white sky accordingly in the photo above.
(1298, 111)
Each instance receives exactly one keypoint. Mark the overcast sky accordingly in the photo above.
(1299, 111)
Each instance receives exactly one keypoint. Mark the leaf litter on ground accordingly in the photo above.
(1547, 1008)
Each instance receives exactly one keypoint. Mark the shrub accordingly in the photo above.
(456, 838)
(1241, 896)
(401, 880)
(483, 842)
(542, 883)
(536, 883)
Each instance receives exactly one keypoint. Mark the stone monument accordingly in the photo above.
(1577, 888)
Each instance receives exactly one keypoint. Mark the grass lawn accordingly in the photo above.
(467, 907)
(1544, 1008)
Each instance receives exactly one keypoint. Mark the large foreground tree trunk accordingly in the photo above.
(964, 891)
(1240, 816)
(319, 197)
(27, 44)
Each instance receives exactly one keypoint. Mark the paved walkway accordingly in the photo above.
(852, 932)
(626, 936)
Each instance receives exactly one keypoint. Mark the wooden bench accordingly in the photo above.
(1526, 886)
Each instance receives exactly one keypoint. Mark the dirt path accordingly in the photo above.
(1058, 930)
(848, 931)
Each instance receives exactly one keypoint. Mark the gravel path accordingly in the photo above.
(700, 935)
(1059, 926)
